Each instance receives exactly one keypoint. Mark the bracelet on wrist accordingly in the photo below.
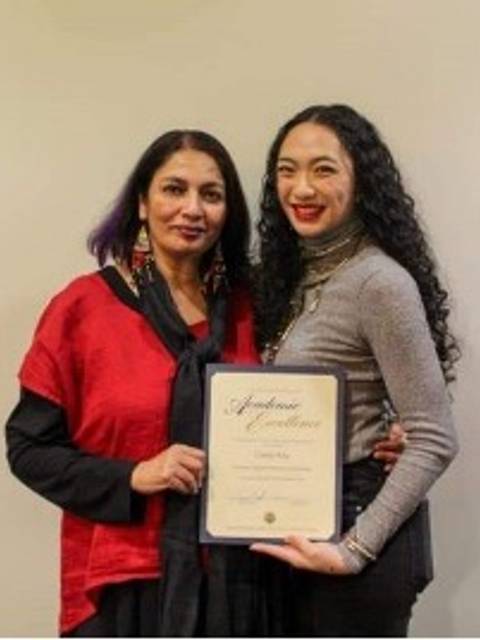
(356, 547)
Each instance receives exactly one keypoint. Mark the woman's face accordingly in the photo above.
(185, 206)
(315, 180)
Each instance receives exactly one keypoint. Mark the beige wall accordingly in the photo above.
(86, 84)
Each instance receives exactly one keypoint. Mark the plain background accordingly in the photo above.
(85, 85)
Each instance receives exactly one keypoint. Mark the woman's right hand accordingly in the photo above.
(391, 448)
(179, 467)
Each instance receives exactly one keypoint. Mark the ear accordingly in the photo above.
(142, 209)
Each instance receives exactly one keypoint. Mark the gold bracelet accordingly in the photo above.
(354, 545)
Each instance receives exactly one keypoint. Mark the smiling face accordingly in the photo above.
(315, 180)
(185, 206)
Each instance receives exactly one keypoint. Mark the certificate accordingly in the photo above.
(274, 456)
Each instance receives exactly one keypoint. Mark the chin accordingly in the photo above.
(191, 247)
(306, 231)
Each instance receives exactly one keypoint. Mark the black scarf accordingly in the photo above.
(239, 594)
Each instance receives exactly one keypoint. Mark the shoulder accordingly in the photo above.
(50, 357)
(381, 277)
(79, 288)
(74, 301)
(387, 294)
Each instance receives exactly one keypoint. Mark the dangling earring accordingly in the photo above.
(142, 249)
(216, 275)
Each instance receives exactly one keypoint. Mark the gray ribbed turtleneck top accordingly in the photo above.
(370, 320)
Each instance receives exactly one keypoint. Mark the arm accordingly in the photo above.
(393, 323)
(42, 455)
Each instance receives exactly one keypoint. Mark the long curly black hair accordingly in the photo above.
(387, 211)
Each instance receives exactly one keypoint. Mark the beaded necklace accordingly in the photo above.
(322, 260)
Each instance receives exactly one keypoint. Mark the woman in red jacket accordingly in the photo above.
(109, 422)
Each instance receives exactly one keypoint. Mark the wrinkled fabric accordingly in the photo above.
(104, 380)
(227, 597)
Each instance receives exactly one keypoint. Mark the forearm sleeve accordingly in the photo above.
(43, 456)
(395, 326)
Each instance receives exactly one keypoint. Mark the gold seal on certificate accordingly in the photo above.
(273, 443)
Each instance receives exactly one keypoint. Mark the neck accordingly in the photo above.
(179, 273)
(323, 255)
(183, 279)
(330, 240)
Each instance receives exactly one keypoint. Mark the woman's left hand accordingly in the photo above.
(298, 551)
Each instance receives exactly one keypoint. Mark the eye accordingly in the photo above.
(325, 170)
(285, 170)
(213, 196)
(173, 189)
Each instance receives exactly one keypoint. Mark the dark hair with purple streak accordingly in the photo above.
(115, 236)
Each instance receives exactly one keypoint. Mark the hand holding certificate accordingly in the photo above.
(322, 557)
(274, 456)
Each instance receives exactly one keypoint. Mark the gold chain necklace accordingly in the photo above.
(318, 252)
(273, 347)
(317, 287)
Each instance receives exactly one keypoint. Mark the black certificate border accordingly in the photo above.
(205, 537)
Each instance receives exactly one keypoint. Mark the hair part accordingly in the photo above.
(116, 234)
(382, 203)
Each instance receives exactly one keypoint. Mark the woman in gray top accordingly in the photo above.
(340, 239)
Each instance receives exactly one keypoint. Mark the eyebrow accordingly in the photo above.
(312, 161)
(182, 181)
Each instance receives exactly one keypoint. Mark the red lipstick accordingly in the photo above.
(307, 213)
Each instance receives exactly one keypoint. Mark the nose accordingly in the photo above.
(192, 206)
(303, 189)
